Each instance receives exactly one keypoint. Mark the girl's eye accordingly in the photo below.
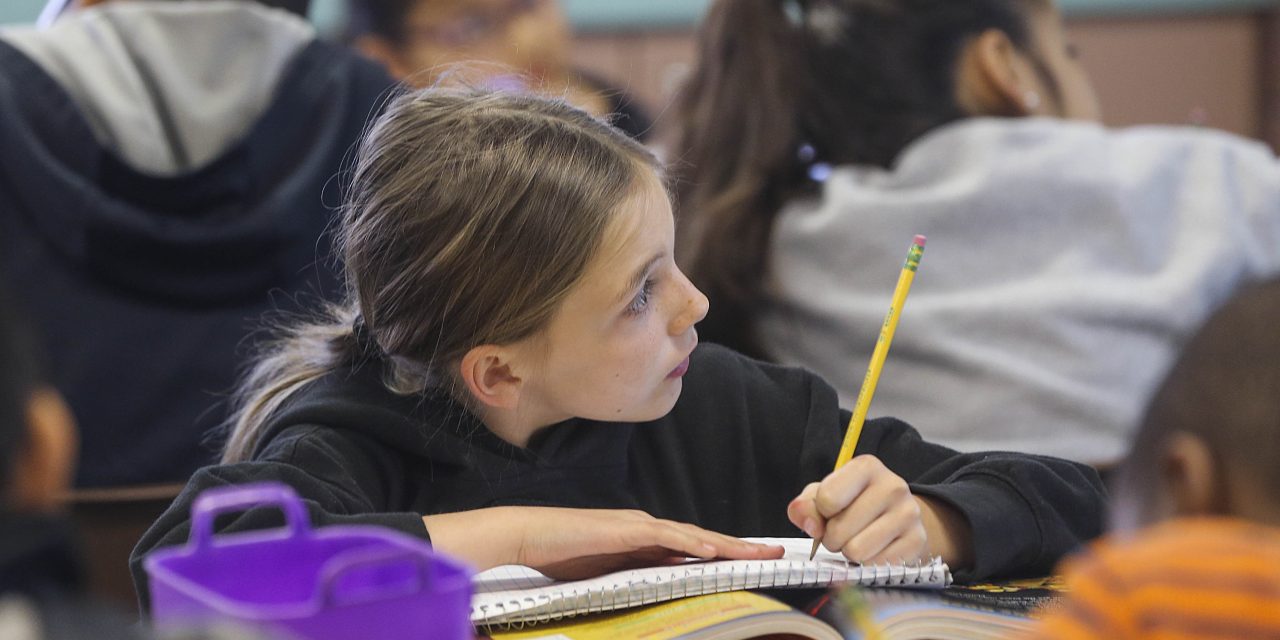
(641, 301)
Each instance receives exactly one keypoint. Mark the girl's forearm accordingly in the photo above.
(484, 538)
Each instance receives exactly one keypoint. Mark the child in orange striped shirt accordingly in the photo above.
(1203, 477)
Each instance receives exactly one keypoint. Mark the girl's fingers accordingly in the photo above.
(909, 548)
(735, 548)
(700, 543)
(803, 513)
(678, 539)
(839, 489)
(883, 495)
(899, 521)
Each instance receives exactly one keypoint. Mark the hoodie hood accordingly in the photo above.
(179, 152)
(167, 87)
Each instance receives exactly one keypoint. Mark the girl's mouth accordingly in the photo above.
(680, 369)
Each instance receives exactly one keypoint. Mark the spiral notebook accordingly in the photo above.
(515, 595)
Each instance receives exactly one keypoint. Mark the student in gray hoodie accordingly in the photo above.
(1066, 261)
(163, 175)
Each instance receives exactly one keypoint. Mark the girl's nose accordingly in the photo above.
(693, 307)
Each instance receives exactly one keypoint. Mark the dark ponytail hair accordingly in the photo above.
(783, 85)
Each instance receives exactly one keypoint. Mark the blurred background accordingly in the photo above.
(1212, 62)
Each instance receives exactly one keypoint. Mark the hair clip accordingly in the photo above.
(817, 171)
(820, 171)
(806, 153)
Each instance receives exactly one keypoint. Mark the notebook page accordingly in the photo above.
(512, 594)
(511, 577)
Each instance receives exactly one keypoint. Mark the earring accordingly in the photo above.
(1030, 100)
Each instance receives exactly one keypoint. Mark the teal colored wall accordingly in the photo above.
(17, 11)
(612, 14)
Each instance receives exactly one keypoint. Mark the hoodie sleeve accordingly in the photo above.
(1026, 511)
(340, 476)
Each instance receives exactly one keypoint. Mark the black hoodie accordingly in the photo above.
(743, 440)
(163, 174)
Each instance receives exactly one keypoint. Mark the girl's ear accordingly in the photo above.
(1190, 476)
(46, 464)
(382, 50)
(490, 378)
(994, 79)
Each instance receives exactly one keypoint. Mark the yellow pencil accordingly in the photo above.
(860, 407)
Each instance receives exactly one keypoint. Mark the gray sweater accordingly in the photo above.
(1065, 265)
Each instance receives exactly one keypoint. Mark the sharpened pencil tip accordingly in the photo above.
(814, 550)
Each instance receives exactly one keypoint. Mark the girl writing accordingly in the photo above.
(517, 378)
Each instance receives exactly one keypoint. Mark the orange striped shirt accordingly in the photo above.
(1188, 578)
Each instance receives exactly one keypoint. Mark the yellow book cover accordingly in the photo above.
(735, 615)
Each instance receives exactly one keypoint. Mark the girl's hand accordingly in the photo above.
(866, 512)
(576, 543)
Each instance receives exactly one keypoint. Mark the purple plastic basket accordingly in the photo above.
(347, 581)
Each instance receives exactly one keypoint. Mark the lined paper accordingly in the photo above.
(513, 594)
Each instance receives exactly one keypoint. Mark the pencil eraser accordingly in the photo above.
(919, 241)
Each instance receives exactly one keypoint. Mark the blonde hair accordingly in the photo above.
(469, 218)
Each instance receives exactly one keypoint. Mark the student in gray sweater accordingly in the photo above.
(1066, 261)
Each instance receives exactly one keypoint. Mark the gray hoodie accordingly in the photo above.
(1065, 265)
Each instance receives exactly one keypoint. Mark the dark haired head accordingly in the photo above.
(1223, 391)
(782, 84)
(19, 377)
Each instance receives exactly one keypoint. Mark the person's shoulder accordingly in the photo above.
(1141, 576)
(1149, 139)
(1000, 134)
(997, 133)
(977, 146)
(1169, 552)
(1216, 536)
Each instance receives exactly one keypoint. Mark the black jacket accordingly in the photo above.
(743, 440)
(145, 287)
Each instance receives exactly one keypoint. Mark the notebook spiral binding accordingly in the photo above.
(695, 580)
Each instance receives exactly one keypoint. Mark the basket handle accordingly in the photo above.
(213, 502)
(369, 558)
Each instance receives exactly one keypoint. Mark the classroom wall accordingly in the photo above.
(1216, 67)
(1153, 61)
(19, 11)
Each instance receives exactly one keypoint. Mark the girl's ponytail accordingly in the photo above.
(303, 353)
(741, 135)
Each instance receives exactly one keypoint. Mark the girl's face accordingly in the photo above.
(524, 36)
(619, 344)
